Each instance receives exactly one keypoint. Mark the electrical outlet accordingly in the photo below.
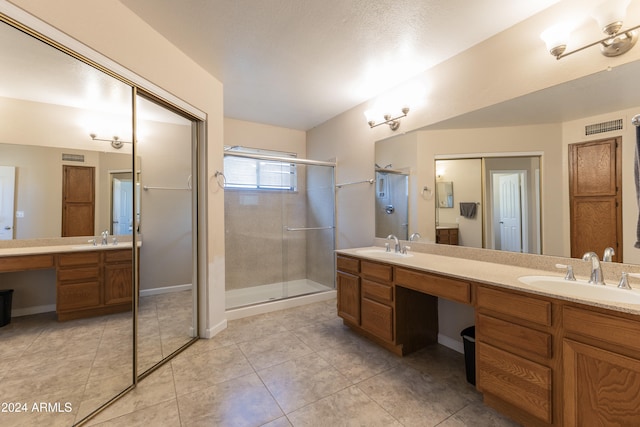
(19, 214)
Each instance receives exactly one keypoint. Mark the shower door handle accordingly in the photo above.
(309, 228)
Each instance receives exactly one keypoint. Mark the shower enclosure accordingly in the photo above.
(279, 227)
(392, 203)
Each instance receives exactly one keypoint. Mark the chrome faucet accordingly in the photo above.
(596, 268)
(608, 254)
(105, 237)
(397, 243)
(414, 236)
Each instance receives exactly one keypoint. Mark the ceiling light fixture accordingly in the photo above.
(393, 122)
(115, 141)
(609, 16)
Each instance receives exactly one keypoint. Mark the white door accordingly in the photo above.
(7, 188)
(510, 213)
(121, 203)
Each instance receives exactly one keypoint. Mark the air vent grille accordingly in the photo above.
(603, 127)
(73, 157)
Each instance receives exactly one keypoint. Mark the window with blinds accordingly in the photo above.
(259, 174)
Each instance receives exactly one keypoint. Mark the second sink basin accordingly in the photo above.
(382, 253)
(582, 289)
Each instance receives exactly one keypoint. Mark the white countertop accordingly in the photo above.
(501, 275)
(50, 249)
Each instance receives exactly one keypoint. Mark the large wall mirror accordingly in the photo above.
(66, 141)
(522, 144)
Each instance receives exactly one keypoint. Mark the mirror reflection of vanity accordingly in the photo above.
(50, 105)
(536, 129)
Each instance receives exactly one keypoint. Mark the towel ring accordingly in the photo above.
(426, 189)
(222, 184)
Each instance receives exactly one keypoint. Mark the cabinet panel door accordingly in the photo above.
(118, 283)
(349, 297)
(600, 387)
(378, 319)
(522, 383)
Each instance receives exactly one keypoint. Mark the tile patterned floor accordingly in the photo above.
(84, 362)
(302, 367)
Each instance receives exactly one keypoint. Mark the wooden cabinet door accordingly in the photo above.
(595, 189)
(78, 201)
(118, 284)
(600, 387)
(349, 297)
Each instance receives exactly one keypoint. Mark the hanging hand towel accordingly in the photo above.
(468, 209)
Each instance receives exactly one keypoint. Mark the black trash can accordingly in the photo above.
(5, 306)
(469, 341)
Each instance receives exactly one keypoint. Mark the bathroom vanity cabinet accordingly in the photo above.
(90, 282)
(540, 360)
(369, 300)
(447, 235)
(93, 283)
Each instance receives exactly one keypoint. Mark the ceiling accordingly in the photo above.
(298, 63)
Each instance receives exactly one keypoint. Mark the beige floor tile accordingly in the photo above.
(349, 407)
(273, 349)
(239, 402)
(301, 381)
(412, 397)
(158, 387)
(164, 414)
(477, 415)
(193, 372)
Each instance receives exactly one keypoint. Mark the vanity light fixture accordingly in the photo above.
(393, 122)
(609, 16)
(116, 142)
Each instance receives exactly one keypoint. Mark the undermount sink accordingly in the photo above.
(382, 253)
(582, 289)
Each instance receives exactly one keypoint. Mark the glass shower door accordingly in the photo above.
(309, 234)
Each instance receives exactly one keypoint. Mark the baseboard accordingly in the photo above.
(267, 307)
(165, 290)
(451, 343)
(36, 309)
(213, 331)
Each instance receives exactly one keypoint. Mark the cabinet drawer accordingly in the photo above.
(377, 318)
(377, 291)
(79, 273)
(451, 289)
(520, 306)
(26, 262)
(79, 258)
(350, 265)
(615, 330)
(379, 272)
(118, 255)
(78, 295)
(516, 338)
(522, 383)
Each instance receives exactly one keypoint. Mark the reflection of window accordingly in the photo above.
(247, 172)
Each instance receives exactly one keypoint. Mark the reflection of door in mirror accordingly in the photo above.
(7, 188)
(392, 207)
(507, 200)
(595, 197)
(121, 198)
(78, 201)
